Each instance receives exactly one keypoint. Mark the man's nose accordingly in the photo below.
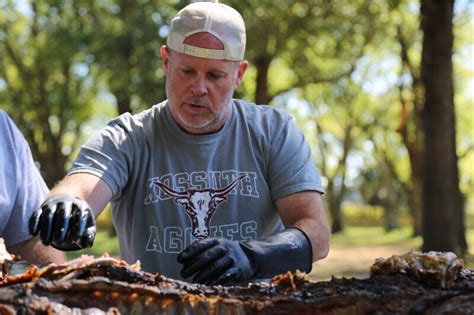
(199, 87)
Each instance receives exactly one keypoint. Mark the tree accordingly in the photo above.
(60, 57)
(404, 28)
(442, 203)
(379, 181)
(339, 116)
(127, 49)
(410, 127)
(305, 42)
(46, 74)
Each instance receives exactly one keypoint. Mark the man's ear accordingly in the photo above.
(243, 65)
(166, 58)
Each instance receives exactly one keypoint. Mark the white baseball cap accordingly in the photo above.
(218, 19)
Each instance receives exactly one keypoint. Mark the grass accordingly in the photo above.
(355, 250)
(374, 236)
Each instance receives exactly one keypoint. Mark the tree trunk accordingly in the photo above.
(336, 186)
(389, 203)
(262, 65)
(443, 226)
(413, 140)
(334, 205)
(123, 101)
(416, 193)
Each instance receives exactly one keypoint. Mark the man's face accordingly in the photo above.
(199, 90)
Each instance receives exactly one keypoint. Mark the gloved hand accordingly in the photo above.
(216, 261)
(222, 261)
(64, 222)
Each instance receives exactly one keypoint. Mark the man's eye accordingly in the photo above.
(187, 71)
(215, 76)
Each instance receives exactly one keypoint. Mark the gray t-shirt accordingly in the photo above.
(22, 189)
(171, 188)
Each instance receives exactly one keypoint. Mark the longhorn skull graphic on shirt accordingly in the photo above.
(200, 204)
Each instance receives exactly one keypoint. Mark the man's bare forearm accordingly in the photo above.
(35, 252)
(305, 211)
(87, 187)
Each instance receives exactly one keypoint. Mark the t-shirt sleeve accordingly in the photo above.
(109, 153)
(291, 167)
(26, 188)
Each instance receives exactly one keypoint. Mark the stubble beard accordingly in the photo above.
(202, 125)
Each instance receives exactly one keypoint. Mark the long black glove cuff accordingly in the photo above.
(286, 251)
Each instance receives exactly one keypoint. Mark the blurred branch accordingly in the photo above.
(404, 52)
(468, 150)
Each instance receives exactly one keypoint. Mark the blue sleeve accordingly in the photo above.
(22, 189)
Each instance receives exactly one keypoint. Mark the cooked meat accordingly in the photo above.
(109, 286)
(431, 269)
(4, 256)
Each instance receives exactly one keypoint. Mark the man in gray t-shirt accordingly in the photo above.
(226, 188)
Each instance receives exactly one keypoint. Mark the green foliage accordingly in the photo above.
(47, 90)
(307, 41)
(59, 60)
(464, 85)
(127, 49)
(357, 214)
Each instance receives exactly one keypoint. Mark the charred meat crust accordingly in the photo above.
(109, 286)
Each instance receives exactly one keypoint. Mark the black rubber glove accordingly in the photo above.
(222, 261)
(64, 222)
